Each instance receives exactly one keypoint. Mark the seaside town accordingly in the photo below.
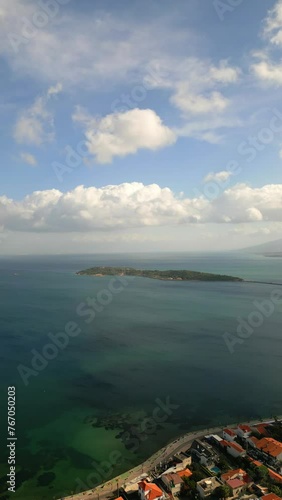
(239, 462)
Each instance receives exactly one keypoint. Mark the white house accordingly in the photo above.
(235, 450)
(243, 431)
(229, 434)
(206, 487)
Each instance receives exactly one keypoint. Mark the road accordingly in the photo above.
(105, 491)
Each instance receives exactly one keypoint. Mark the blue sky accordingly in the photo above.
(165, 99)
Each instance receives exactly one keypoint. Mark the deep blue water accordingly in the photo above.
(154, 340)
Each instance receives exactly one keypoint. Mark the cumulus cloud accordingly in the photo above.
(273, 24)
(268, 72)
(267, 69)
(192, 82)
(196, 87)
(28, 158)
(35, 125)
(121, 134)
(221, 176)
(135, 205)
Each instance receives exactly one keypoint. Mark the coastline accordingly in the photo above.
(106, 490)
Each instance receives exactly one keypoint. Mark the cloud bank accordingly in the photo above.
(134, 205)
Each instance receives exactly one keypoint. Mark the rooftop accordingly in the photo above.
(270, 446)
(235, 483)
(151, 490)
(229, 431)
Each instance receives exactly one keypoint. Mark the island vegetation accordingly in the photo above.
(176, 275)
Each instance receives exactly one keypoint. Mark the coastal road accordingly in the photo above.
(105, 491)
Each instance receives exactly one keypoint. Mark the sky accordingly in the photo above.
(139, 126)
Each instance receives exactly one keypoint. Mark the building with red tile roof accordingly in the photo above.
(228, 434)
(262, 429)
(184, 473)
(150, 491)
(235, 450)
(270, 496)
(243, 431)
(270, 447)
(236, 474)
(275, 476)
(236, 486)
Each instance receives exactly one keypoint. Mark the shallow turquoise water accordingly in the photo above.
(155, 340)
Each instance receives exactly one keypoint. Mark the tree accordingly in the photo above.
(223, 491)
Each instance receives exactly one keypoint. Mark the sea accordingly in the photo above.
(143, 361)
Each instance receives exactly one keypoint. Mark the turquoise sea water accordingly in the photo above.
(155, 340)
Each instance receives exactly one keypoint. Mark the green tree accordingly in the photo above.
(223, 491)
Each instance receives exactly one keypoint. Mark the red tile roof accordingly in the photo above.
(275, 476)
(270, 446)
(270, 496)
(262, 429)
(245, 428)
(236, 446)
(224, 443)
(185, 473)
(151, 490)
(235, 483)
(229, 431)
(233, 474)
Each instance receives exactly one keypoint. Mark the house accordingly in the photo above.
(270, 496)
(184, 473)
(235, 450)
(275, 476)
(206, 487)
(236, 485)
(236, 474)
(150, 491)
(261, 429)
(214, 439)
(229, 434)
(243, 431)
(173, 482)
(183, 460)
(270, 448)
(252, 441)
(203, 452)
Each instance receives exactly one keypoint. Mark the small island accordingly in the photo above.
(170, 275)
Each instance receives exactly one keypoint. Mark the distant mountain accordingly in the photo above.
(271, 249)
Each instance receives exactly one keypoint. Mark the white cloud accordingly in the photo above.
(196, 88)
(222, 176)
(194, 83)
(121, 134)
(90, 51)
(267, 69)
(268, 72)
(134, 205)
(273, 24)
(35, 125)
(28, 158)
